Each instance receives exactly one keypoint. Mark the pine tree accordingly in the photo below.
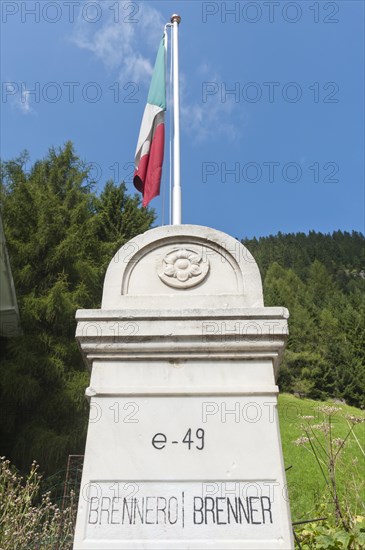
(320, 279)
(60, 238)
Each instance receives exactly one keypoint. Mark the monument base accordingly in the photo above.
(183, 448)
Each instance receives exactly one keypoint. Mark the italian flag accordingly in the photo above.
(150, 148)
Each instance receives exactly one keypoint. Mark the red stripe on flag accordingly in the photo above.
(147, 177)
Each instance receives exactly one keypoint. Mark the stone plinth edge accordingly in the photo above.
(196, 334)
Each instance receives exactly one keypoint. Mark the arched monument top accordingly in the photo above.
(179, 266)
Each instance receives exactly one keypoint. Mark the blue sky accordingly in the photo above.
(272, 108)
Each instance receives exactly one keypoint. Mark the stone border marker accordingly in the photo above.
(183, 448)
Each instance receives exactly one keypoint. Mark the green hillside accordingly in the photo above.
(309, 495)
(304, 479)
(321, 280)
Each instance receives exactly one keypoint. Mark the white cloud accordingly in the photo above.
(119, 45)
(128, 49)
(21, 101)
(205, 120)
(25, 102)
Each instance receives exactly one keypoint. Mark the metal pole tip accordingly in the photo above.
(176, 18)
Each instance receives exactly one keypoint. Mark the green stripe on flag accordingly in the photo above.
(157, 91)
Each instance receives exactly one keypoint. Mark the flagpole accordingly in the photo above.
(176, 190)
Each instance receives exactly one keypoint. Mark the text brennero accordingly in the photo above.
(182, 510)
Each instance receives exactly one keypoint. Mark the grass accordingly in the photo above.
(306, 484)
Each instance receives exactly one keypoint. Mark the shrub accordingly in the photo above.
(28, 519)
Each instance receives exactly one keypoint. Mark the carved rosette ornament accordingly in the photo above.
(183, 268)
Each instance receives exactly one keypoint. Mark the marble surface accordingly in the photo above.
(183, 448)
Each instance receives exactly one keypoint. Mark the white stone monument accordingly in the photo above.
(183, 448)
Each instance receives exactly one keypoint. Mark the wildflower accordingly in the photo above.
(301, 441)
(354, 419)
(328, 410)
(323, 427)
